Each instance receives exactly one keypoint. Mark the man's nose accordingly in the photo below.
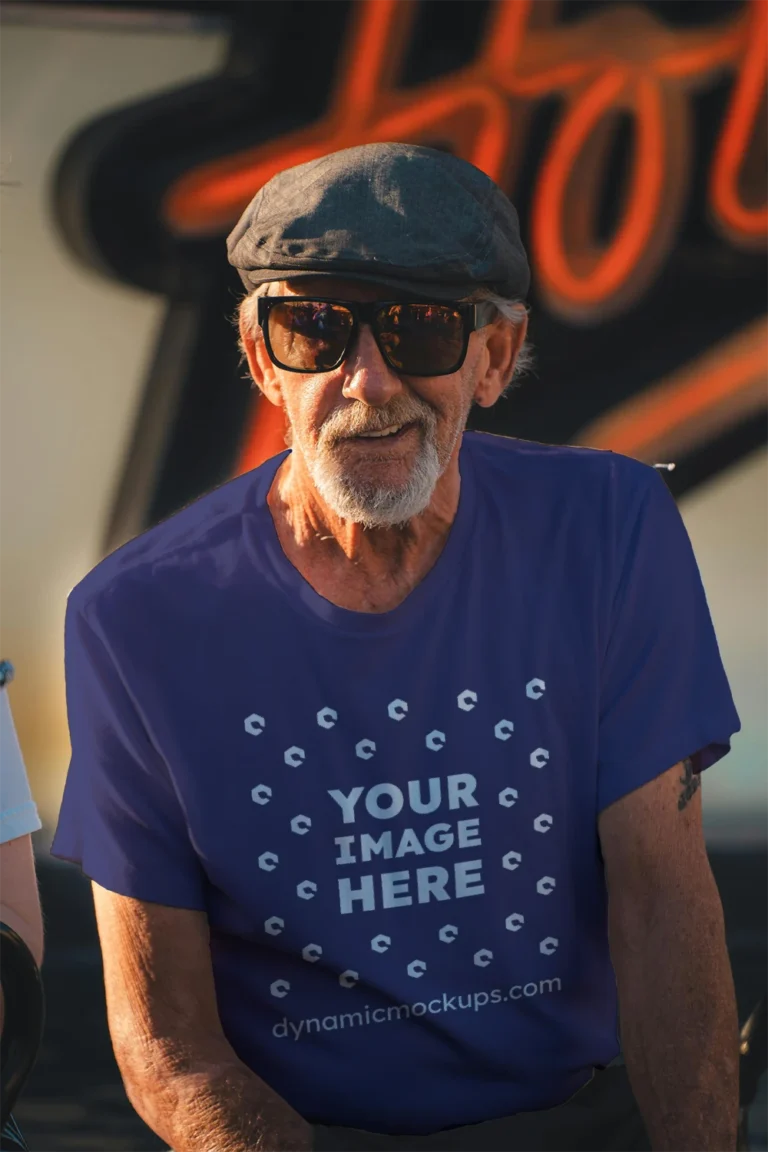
(369, 379)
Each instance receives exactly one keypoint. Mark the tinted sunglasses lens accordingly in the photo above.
(421, 339)
(310, 336)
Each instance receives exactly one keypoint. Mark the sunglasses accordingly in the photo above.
(315, 335)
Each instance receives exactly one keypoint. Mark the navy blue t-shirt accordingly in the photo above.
(391, 819)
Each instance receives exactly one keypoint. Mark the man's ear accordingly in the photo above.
(502, 347)
(259, 364)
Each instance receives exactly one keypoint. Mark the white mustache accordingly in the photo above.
(342, 426)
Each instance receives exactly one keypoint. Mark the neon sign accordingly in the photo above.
(620, 60)
(678, 414)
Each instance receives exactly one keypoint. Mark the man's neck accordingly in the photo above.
(362, 569)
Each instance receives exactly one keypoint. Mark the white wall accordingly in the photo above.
(73, 354)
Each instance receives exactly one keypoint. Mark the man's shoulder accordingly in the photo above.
(557, 467)
(186, 542)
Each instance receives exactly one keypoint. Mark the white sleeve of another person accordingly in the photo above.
(18, 811)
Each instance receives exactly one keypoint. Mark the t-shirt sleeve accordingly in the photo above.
(18, 811)
(664, 695)
(121, 819)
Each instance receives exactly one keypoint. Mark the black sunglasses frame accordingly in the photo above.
(474, 316)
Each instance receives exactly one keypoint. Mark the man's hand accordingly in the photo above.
(679, 1027)
(180, 1073)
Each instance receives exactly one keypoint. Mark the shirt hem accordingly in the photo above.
(647, 768)
(19, 821)
(129, 890)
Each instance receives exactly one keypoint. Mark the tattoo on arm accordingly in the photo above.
(690, 782)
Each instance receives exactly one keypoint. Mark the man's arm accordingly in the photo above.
(180, 1073)
(677, 1007)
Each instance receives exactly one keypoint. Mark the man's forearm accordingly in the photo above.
(679, 1027)
(215, 1106)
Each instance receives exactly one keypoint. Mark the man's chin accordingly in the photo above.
(373, 489)
(375, 505)
(355, 464)
(396, 517)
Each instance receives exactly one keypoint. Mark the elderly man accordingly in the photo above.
(386, 755)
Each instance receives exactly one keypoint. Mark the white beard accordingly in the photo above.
(374, 506)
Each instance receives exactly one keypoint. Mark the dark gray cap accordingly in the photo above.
(400, 215)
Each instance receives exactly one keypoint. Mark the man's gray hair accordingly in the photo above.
(514, 311)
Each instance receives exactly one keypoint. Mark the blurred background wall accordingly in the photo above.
(82, 345)
(74, 350)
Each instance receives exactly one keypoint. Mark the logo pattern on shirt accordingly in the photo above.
(383, 801)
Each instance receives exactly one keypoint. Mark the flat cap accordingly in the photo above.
(408, 217)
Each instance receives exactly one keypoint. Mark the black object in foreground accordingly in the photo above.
(24, 1015)
(752, 1065)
